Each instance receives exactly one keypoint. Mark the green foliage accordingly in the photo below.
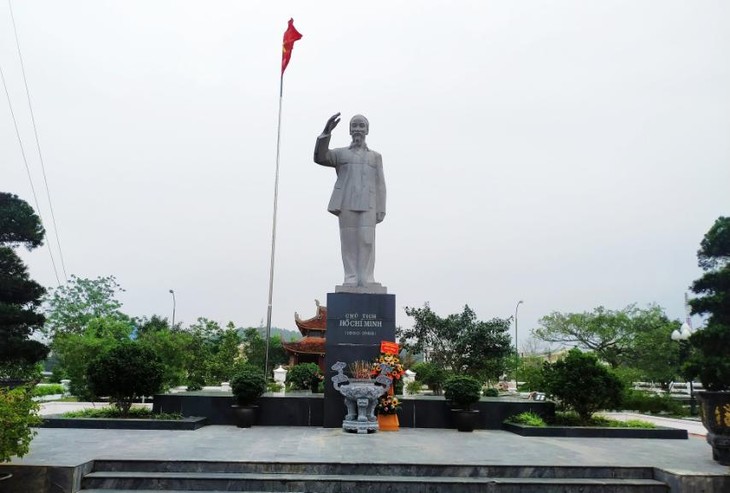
(71, 307)
(529, 371)
(432, 375)
(225, 353)
(459, 342)
(254, 349)
(20, 296)
(491, 392)
(76, 350)
(248, 384)
(462, 391)
(527, 419)
(414, 387)
(274, 387)
(18, 413)
(173, 346)
(125, 373)
(43, 390)
(113, 412)
(582, 384)
(574, 419)
(711, 360)
(637, 337)
(19, 224)
(634, 400)
(304, 376)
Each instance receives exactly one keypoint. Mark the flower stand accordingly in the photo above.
(388, 422)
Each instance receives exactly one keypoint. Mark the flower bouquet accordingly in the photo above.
(388, 404)
(390, 360)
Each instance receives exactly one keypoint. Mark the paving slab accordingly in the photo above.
(71, 447)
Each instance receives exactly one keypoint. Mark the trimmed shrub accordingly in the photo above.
(248, 384)
(125, 373)
(634, 400)
(304, 376)
(462, 391)
(582, 384)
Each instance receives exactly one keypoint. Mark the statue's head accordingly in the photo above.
(359, 126)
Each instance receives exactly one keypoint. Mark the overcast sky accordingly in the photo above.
(568, 154)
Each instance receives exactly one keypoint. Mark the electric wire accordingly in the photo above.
(38, 143)
(27, 168)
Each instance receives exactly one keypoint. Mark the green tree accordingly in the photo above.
(20, 296)
(432, 375)
(71, 307)
(76, 350)
(125, 373)
(225, 354)
(254, 349)
(582, 384)
(19, 224)
(458, 342)
(711, 360)
(169, 344)
(629, 336)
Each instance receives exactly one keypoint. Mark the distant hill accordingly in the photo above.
(285, 334)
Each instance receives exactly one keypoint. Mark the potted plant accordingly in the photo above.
(462, 392)
(710, 360)
(247, 385)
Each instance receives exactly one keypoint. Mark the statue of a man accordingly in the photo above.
(358, 200)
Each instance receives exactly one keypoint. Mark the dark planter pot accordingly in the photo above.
(245, 415)
(715, 414)
(465, 420)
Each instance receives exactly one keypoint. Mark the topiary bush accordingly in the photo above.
(462, 391)
(247, 385)
(582, 384)
(304, 376)
(125, 373)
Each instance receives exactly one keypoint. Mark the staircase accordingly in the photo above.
(183, 476)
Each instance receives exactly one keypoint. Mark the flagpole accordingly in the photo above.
(273, 231)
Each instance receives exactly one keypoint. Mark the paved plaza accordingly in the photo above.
(69, 447)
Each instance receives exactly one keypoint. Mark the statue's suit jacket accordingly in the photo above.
(360, 184)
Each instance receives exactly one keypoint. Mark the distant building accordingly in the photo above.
(311, 347)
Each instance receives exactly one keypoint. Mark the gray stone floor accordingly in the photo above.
(70, 447)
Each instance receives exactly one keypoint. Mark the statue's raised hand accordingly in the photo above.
(331, 123)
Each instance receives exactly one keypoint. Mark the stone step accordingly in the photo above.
(339, 468)
(333, 483)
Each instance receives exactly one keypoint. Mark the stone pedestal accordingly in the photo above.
(356, 324)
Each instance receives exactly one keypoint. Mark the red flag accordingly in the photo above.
(290, 36)
(388, 347)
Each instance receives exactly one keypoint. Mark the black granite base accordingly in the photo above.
(356, 325)
(187, 423)
(308, 410)
(595, 432)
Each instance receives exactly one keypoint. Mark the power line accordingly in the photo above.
(27, 168)
(38, 143)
